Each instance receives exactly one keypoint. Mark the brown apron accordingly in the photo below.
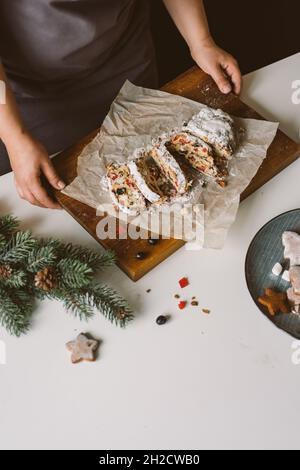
(67, 59)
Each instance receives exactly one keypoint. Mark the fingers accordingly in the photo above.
(233, 71)
(20, 192)
(40, 194)
(28, 175)
(221, 80)
(36, 195)
(51, 175)
(27, 196)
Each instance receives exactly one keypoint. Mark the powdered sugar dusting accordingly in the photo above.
(216, 128)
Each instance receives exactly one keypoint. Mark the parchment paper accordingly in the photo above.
(136, 117)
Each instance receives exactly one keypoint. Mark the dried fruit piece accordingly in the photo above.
(141, 255)
(161, 320)
(194, 303)
(184, 282)
(182, 305)
(153, 241)
(206, 311)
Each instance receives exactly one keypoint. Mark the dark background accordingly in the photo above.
(256, 32)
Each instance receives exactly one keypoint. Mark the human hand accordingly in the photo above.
(30, 161)
(220, 65)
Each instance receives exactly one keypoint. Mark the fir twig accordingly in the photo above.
(18, 247)
(41, 257)
(74, 273)
(48, 268)
(3, 242)
(107, 301)
(15, 312)
(97, 261)
(75, 302)
(8, 225)
(17, 280)
(100, 261)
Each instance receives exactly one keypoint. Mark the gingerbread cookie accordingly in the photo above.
(294, 300)
(295, 278)
(291, 243)
(276, 302)
(82, 349)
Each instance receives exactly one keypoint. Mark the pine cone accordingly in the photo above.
(121, 314)
(45, 279)
(5, 271)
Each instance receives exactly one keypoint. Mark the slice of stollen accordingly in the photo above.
(169, 167)
(123, 190)
(216, 128)
(198, 153)
(145, 178)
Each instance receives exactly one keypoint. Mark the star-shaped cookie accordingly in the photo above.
(82, 349)
(276, 302)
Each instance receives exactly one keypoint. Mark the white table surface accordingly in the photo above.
(219, 381)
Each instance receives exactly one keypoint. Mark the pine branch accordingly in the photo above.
(17, 280)
(8, 225)
(40, 258)
(97, 261)
(100, 261)
(18, 247)
(74, 273)
(65, 273)
(109, 303)
(24, 299)
(75, 302)
(3, 242)
(15, 312)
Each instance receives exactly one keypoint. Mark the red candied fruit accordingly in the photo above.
(184, 282)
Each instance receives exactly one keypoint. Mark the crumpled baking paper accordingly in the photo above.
(136, 117)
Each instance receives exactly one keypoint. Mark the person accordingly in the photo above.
(64, 61)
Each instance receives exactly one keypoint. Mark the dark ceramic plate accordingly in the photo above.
(265, 250)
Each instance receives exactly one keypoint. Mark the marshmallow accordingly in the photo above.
(277, 269)
(286, 276)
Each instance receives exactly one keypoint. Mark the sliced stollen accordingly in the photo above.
(198, 153)
(146, 179)
(169, 167)
(123, 190)
(216, 128)
(291, 243)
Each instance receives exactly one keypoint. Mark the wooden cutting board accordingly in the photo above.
(198, 86)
